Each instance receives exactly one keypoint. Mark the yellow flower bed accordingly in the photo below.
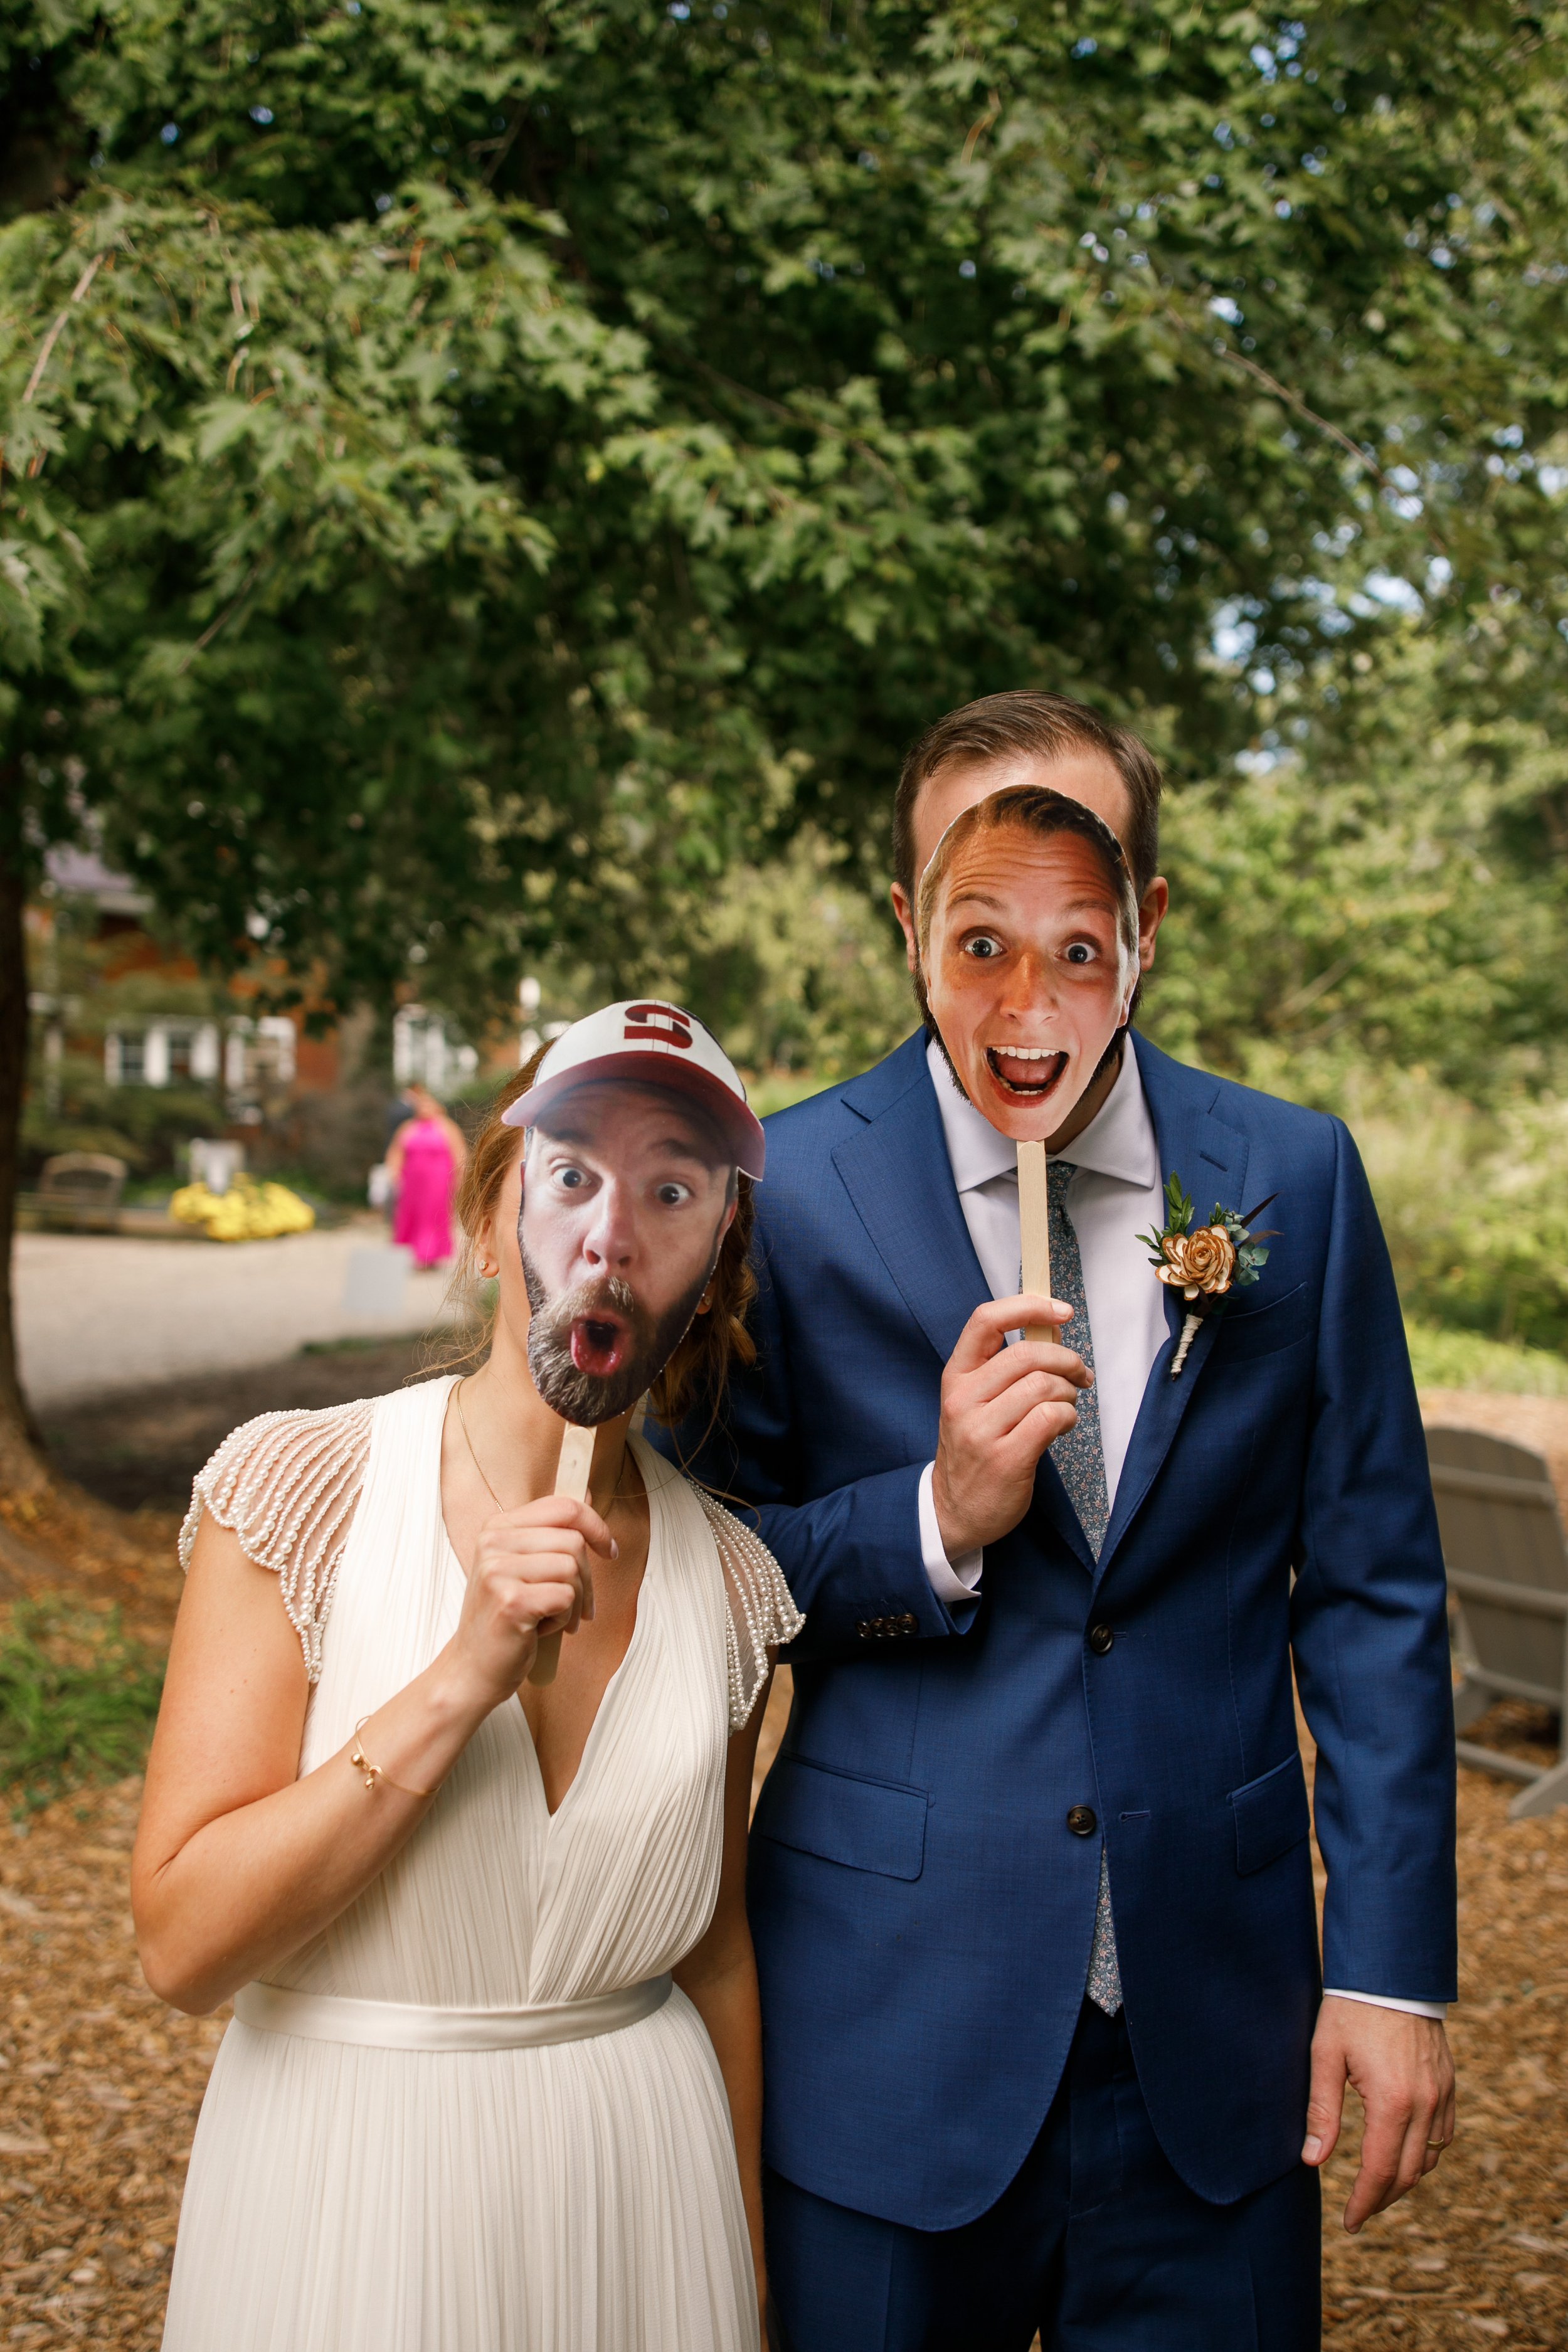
(247, 1212)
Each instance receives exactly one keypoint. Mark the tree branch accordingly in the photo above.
(1294, 400)
(210, 632)
(77, 294)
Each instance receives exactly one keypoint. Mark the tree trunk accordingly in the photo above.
(21, 1466)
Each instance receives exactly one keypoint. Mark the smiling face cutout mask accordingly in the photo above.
(1028, 926)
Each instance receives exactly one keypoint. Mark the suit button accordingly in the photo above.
(867, 1629)
(1081, 1820)
(908, 1623)
(1101, 1638)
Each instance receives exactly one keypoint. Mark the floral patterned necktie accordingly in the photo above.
(1080, 1458)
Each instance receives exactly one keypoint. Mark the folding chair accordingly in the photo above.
(1508, 1576)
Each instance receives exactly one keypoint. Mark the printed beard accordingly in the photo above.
(595, 1349)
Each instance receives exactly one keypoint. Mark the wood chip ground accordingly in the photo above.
(99, 2083)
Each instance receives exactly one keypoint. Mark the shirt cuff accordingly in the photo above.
(956, 1582)
(1437, 2008)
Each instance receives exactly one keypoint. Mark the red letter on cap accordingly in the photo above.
(660, 1022)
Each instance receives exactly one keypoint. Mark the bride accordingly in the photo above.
(494, 2078)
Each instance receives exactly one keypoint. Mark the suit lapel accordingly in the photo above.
(1211, 1159)
(899, 1179)
(897, 1174)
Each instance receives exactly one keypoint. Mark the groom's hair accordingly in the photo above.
(1028, 723)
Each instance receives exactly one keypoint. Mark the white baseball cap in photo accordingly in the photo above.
(661, 1045)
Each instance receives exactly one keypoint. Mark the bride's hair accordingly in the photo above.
(698, 1370)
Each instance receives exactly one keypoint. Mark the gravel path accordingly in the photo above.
(98, 1313)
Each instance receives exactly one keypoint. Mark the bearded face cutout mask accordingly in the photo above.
(634, 1141)
(1027, 928)
(627, 1197)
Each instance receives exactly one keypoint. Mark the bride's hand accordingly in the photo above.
(532, 1575)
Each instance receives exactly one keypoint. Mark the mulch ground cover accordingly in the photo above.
(1479, 2251)
(99, 2091)
(99, 2083)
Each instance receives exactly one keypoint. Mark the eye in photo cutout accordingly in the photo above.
(638, 1128)
(1027, 922)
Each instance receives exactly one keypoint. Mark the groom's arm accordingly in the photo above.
(1370, 1641)
(872, 1562)
(852, 1558)
(1371, 1632)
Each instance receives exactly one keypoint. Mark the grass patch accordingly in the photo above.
(77, 1702)
(363, 1344)
(1443, 1358)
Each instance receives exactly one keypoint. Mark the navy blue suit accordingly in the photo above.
(922, 1911)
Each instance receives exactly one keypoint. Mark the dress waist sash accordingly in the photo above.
(411, 2025)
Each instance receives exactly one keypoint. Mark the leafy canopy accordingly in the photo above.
(471, 474)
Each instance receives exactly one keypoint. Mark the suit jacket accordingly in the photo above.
(922, 1909)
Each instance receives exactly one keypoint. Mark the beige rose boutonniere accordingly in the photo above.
(1207, 1264)
(1204, 1262)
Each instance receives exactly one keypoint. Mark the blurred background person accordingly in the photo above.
(425, 1158)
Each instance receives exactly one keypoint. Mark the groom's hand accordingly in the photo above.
(1402, 2069)
(1001, 1407)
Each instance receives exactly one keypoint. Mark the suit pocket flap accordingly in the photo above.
(1271, 1815)
(876, 1825)
(1255, 1332)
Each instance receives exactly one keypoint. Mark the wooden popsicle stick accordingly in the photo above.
(1035, 1230)
(572, 1474)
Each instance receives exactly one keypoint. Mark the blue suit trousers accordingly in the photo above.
(1096, 2242)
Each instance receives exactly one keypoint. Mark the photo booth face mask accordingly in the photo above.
(1027, 968)
(626, 1196)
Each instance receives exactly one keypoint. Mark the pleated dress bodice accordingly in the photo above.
(494, 1903)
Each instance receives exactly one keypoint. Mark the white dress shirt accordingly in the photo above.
(1118, 1193)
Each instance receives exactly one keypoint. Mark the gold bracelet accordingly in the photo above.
(372, 1772)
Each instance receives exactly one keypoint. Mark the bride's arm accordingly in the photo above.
(238, 1862)
(719, 1977)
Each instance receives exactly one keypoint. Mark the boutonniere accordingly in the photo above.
(1207, 1265)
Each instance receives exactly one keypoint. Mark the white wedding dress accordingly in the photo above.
(445, 2194)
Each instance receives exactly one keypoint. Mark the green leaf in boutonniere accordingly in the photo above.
(1207, 1264)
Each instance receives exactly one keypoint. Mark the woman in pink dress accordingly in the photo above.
(426, 1157)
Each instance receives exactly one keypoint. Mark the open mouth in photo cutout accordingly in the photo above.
(627, 1191)
(1027, 926)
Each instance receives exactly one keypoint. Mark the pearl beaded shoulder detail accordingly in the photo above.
(286, 1484)
(761, 1615)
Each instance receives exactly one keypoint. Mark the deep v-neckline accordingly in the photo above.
(514, 1705)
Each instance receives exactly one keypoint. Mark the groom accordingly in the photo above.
(1031, 1888)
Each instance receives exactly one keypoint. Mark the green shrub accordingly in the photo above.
(78, 1701)
(1474, 1206)
(1461, 1360)
(793, 964)
(147, 1127)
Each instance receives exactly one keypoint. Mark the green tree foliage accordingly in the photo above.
(474, 475)
(1382, 889)
(795, 966)
(713, 392)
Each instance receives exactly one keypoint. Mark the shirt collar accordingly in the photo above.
(1118, 1142)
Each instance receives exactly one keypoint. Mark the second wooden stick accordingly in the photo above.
(1035, 1230)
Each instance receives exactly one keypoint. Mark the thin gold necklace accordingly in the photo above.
(463, 1421)
(618, 1497)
